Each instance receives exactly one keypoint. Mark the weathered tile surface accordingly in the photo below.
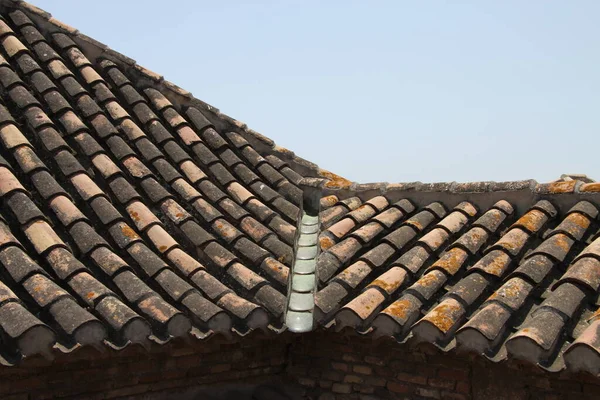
(500, 282)
(127, 218)
(133, 212)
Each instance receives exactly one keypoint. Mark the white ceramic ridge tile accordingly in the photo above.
(306, 253)
(309, 228)
(302, 267)
(308, 239)
(301, 299)
(303, 283)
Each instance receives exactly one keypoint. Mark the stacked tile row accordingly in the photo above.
(129, 219)
(499, 283)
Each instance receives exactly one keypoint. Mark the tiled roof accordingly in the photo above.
(499, 280)
(125, 216)
(135, 213)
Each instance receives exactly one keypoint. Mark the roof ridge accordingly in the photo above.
(95, 50)
(315, 176)
(483, 194)
(331, 183)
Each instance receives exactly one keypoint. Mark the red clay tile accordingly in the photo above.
(467, 208)
(86, 187)
(574, 225)
(254, 229)
(454, 221)
(159, 101)
(482, 330)
(225, 230)
(136, 168)
(494, 263)
(188, 136)
(117, 112)
(590, 187)
(513, 241)
(438, 322)
(58, 69)
(341, 228)
(5, 29)
(132, 131)
(174, 211)
(354, 274)
(63, 26)
(65, 210)
(345, 249)
(239, 193)
(276, 269)
(141, 215)
(397, 315)
(77, 57)
(512, 293)
(6, 237)
(585, 271)
(389, 217)
(451, 261)
(8, 182)
(13, 46)
(414, 259)
(90, 75)
(532, 221)
(12, 137)
(332, 214)
(562, 187)
(434, 239)
(27, 159)
(161, 238)
(363, 305)
(328, 201)
(363, 213)
(378, 202)
(367, 232)
(184, 262)
(473, 239)
(105, 165)
(325, 242)
(192, 172)
(174, 119)
(42, 236)
(244, 276)
(556, 246)
(185, 190)
(584, 353)
(390, 280)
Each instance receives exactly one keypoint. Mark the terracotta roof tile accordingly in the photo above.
(494, 263)
(448, 314)
(182, 216)
(585, 271)
(328, 201)
(529, 342)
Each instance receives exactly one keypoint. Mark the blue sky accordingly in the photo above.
(382, 91)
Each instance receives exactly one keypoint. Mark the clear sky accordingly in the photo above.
(382, 91)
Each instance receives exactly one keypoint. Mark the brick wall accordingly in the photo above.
(347, 366)
(176, 367)
(325, 366)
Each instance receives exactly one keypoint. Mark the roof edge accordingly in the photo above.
(484, 194)
(325, 181)
(94, 50)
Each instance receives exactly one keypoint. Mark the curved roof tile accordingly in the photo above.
(135, 212)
